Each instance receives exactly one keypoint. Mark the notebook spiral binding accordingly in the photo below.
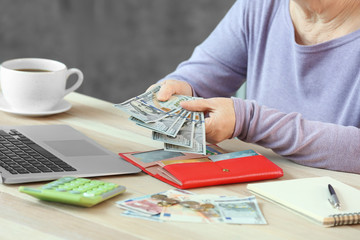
(346, 219)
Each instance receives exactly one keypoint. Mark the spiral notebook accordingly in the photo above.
(308, 197)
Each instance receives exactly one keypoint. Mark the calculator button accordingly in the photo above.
(71, 185)
(83, 189)
(96, 182)
(66, 187)
(78, 190)
(82, 180)
(87, 194)
(99, 191)
(61, 190)
(51, 185)
(67, 179)
(74, 192)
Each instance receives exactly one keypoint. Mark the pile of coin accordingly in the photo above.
(164, 201)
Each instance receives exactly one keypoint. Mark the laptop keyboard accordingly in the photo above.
(20, 155)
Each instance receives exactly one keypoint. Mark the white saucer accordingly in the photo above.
(61, 107)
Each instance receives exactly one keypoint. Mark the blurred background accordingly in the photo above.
(122, 46)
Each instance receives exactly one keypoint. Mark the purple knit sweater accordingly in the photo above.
(303, 101)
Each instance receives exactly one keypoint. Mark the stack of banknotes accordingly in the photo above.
(180, 130)
(185, 206)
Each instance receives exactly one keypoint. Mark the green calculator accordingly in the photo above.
(77, 191)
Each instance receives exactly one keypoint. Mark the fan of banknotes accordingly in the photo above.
(180, 130)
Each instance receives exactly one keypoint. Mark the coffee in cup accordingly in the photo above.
(36, 84)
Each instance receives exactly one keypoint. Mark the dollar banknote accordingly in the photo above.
(199, 139)
(138, 107)
(147, 108)
(179, 129)
(184, 137)
(178, 123)
(165, 125)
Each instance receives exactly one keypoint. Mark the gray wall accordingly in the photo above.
(122, 46)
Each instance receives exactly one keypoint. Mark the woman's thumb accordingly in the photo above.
(199, 105)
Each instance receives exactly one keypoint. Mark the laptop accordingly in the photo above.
(47, 152)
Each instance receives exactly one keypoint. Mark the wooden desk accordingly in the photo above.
(24, 217)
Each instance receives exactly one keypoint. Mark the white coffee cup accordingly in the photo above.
(36, 84)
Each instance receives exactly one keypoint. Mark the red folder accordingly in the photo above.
(192, 170)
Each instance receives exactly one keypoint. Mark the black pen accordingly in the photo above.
(334, 200)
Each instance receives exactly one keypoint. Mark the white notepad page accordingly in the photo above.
(309, 197)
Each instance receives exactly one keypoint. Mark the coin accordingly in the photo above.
(190, 204)
(163, 204)
(171, 201)
(159, 196)
(168, 202)
(206, 206)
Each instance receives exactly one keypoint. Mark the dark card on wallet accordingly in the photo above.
(189, 170)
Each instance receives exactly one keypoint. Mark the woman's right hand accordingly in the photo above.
(170, 87)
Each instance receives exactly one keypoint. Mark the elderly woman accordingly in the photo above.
(301, 61)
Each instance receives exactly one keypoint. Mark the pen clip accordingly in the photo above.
(334, 203)
(331, 202)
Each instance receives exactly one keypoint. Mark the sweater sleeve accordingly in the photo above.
(311, 143)
(218, 66)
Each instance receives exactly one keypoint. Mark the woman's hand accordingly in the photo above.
(171, 87)
(220, 124)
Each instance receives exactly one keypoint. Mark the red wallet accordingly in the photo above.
(184, 170)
